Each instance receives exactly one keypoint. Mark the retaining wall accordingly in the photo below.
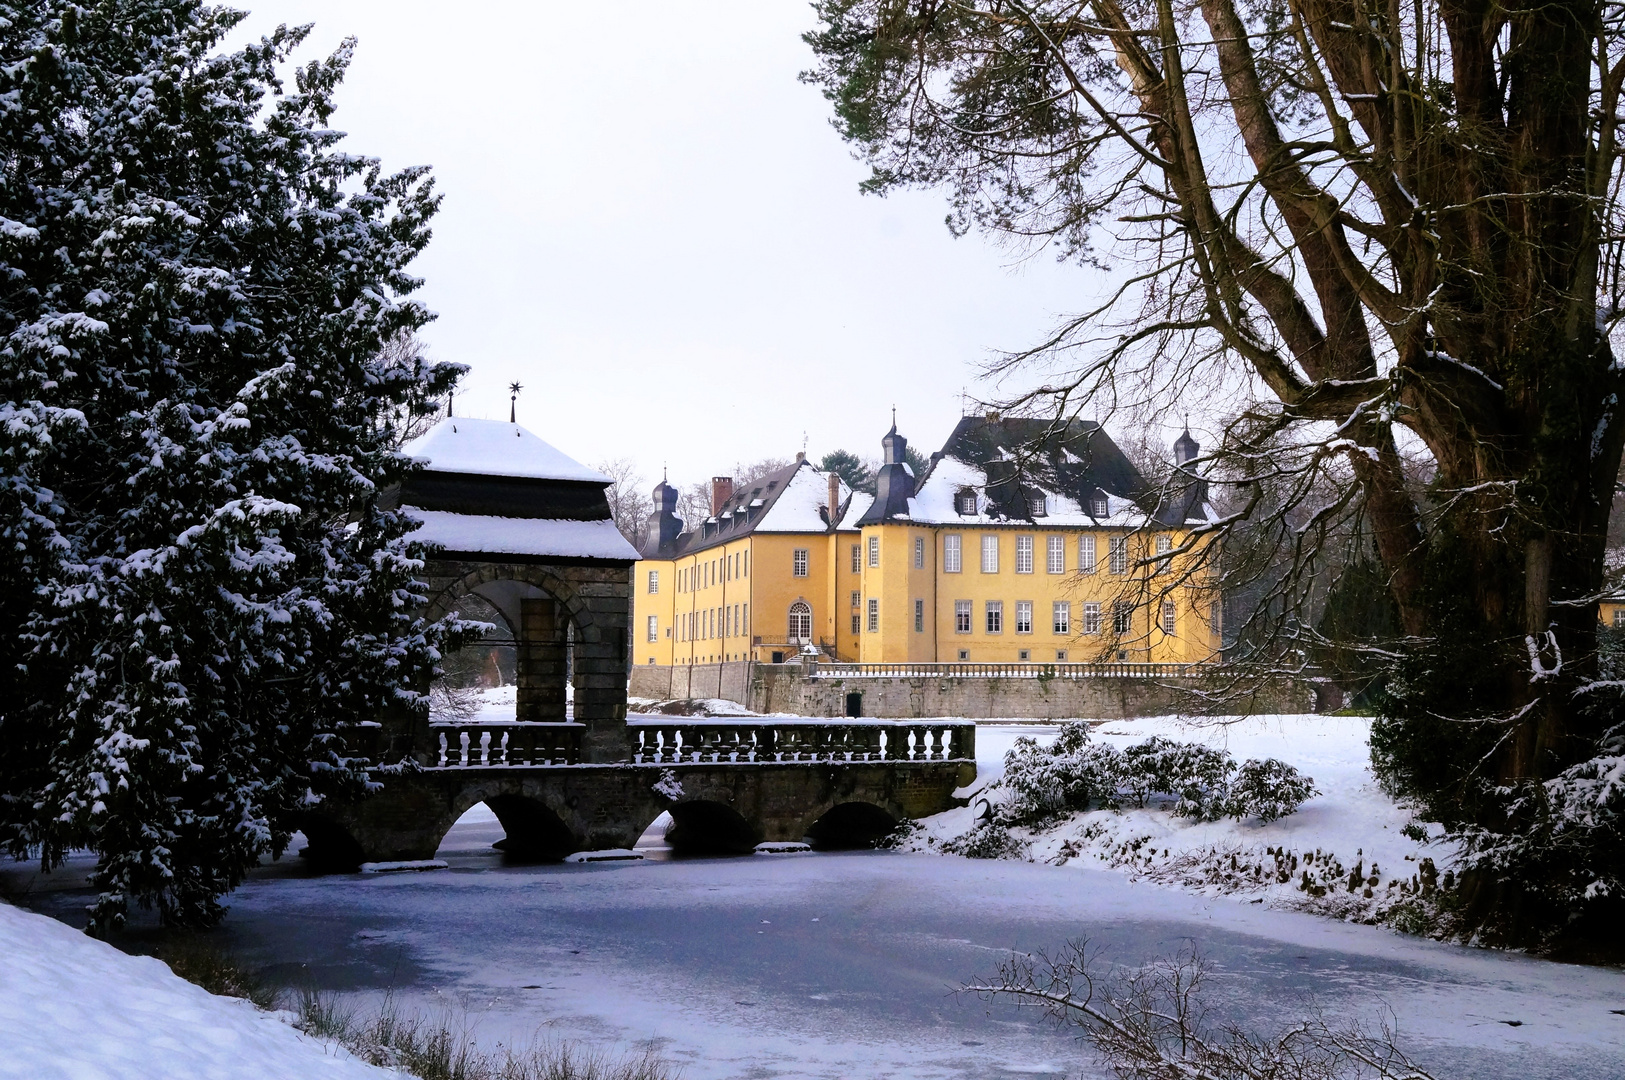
(787, 688)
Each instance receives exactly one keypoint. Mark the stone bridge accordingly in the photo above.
(729, 785)
(521, 537)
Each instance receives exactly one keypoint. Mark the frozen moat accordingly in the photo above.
(843, 965)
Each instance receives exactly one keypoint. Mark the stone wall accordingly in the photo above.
(786, 688)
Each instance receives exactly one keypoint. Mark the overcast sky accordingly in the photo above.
(651, 225)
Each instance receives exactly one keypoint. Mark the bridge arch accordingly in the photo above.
(852, 824)
(487, 579)
(703, 827)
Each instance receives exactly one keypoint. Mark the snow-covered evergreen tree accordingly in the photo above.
(198, 590)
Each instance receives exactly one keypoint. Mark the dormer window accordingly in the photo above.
(1098, 506)
(965, 502)
(1038, 505)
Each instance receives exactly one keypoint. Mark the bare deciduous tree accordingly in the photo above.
(1376, 228)
(629, 501)
(1154, 1023)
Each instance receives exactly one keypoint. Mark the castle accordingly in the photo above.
(1026, 541)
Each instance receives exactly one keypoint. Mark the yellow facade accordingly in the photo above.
(887, 594)
(1611, 612)
(735, 601)
(1020, 605)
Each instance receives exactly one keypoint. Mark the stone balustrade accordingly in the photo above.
(499, 743)
(836, 669)
(753, 739)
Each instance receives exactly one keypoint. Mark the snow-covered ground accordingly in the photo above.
(844, 964)
(73, 1007)
(1350, 823)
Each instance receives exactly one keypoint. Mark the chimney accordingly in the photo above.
(722, 490)
(834, 498)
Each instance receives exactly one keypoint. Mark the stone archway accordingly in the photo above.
(566, 615)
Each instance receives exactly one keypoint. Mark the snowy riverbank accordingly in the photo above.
(73, 1007)
(1304, 861)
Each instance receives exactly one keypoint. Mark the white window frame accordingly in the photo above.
(1122, 618)
(874, 615)
(1038, 505)
(857, 598)
(1165, 543)
(1117, 560)
(1055, 554)
(874, 551)
(953, 553)
(1061, 616)
(993, 616)
(965, 503)
(1024, 554)
(654, 628)
(1091, 617)
(919, 616)
(1087, 562)
(1100, 506)
(857, 558)
(800, 562)
(962, 617)
(857, 622)
(654, 582)
(1024, 616)
(990, 553)
(800, 619)
(919, 553)
(1170, 617)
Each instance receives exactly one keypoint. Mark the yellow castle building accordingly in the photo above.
(1024, 542)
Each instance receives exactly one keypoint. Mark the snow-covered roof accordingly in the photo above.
(521, 536)
(799, 504)
(459, 444)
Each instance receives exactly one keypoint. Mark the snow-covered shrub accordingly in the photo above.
(988, 840)
(1196, 776)
(1268, 790)
(1070, 773)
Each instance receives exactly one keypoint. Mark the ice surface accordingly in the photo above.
(490, 447)
(73, 1007)
(521, 536)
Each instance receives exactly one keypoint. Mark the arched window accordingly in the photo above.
(800, 623)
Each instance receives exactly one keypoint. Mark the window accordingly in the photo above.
(919, 616)
(1091, 618)
(990, 554)
(1168, 617)
(654, 628)
(857, 598)
(995, 616)
(1055, 552)
(965, 502)
(654, 581)
(964, 654)
(874, 551)
(1122, 618)
(857, 623)
(1024, 554)
(747, 564)
(1119, 555)
(800, 623)
(857, 559)
(951, 561)
(1024, 616)
(1619, 617)
(1062, 616)
(799, 563)
(1086, 554)
(1060, 656)
(874, 616)
(1165, 543)
(962, 617)
(1024, 655)
(744, 618)
(1099, 507)
(1038, 505)
(1215, 617)
(919, 553)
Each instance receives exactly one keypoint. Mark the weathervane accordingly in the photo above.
(513, 401)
